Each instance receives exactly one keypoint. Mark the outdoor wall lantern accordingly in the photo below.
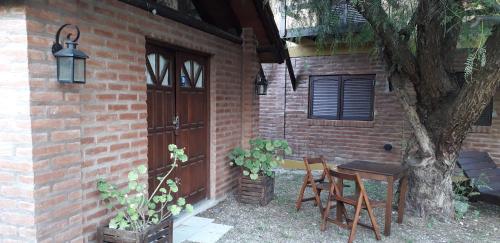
(261, 83)
(70, 61)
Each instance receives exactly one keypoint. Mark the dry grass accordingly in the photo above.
(280, 222)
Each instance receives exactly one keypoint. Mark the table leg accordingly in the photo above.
(340, 186)
(388, 206)
(402, 197)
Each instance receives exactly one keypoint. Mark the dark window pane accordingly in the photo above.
(325, 96)
(357, 98)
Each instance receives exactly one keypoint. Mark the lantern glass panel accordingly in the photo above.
(65, 69)
(79, 70)
(261, 89)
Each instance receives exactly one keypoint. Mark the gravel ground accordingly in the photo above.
(280, 222)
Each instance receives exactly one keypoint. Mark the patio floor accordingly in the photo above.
(280, 222)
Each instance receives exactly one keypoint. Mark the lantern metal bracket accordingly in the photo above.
(57, 45)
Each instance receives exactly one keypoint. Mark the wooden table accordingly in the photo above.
(381, 172)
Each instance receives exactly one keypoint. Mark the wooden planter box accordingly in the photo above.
(162, 232)
(260, 191)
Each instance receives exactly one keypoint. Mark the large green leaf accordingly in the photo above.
(132, 175)
(254, 176)
(142, 169)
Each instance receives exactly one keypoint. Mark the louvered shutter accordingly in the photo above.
(358, 97)
(486, 116)
(325, 96)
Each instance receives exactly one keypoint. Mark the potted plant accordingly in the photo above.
(256, 183)
(139, 217)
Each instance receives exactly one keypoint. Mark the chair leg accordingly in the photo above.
(352, 235)
(316, 192)
(325, 213)
(373, 220)
(298, 204)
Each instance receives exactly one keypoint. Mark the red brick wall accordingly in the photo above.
(336, 140)
(348, 140)
(98, 129)
(16, 168)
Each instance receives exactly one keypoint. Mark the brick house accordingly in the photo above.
(57, 139)
(363, 114)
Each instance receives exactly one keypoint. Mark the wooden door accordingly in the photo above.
(177, 90)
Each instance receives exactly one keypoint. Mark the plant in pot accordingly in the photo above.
(256, 183)
(141, 217)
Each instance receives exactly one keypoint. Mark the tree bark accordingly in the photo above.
(430, 191)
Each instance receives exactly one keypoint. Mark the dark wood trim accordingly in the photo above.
(174, 48)
(291, 73)
(207, 86)
(183, 19)
(266, 15)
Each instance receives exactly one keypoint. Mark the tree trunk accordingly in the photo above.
(430, 191)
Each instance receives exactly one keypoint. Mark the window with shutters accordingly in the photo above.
(487, 114)
(341, 97)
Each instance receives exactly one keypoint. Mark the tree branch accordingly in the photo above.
(410, 26)
(397, 54)
(478, 19)
(426, 147)
(431, 35)
(475, 94)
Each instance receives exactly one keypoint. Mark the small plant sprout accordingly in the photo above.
(136, 210)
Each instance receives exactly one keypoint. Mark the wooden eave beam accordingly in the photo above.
(266, 16)
(291, 73)
(183, 19)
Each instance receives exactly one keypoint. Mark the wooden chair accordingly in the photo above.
(359, 201)
(317, 185)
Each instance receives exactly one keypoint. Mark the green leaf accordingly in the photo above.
(239, 161)
(181, 201)
(174, 188)
(183, 158)
(132, 175)
(246, 173)
(113, 223)
(155, 220)
(172, 147)
(132, 185)
(162, 190)
(269, 146)
(254, 176)
(189, 208)
(142, 169)
(123, 225)
(174, 209)
(169, 198)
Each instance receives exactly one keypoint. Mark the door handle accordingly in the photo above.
(176, 122)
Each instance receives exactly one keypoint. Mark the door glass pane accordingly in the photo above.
(196, 67)
(199, 81)
(163, 61)
(184, 82)
(164, 64)
(187, 65)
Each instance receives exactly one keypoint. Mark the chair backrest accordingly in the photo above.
(318, 160)
(334, 175)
